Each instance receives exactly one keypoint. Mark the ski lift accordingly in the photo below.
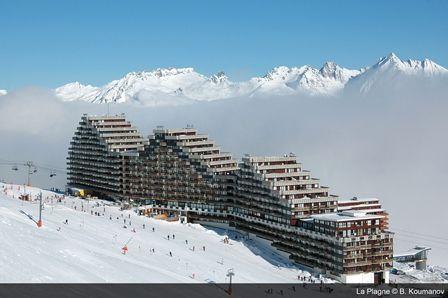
(15, 168)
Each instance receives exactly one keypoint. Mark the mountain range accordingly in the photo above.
(176, 86)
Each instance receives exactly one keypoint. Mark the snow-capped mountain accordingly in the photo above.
(175, 86)
(163, 86)
(391, 70)
(328, 80)
(3, 92)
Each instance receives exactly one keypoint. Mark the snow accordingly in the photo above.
(180, 86)
(89, 247)
(391, 69)
(76, 90)
(433, 274)
(171, 86)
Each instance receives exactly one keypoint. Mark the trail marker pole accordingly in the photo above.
(39, 222)
(230, 273)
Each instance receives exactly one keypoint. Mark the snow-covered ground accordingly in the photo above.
(408, 274)
(89, 247)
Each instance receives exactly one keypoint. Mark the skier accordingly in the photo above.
(143, 226)
(66, 221)
(174, 236)
(153, 229)
(168, 237)
(186, 241)
(171, 254)
(203, 248)
(125, 249)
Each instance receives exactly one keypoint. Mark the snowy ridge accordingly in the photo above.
(391, 69)
(89, 247)
(177, 86)
(170, 86)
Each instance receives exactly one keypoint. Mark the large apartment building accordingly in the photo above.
(96, 153)
(271, 199)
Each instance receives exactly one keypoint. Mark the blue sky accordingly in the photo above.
(49, 43)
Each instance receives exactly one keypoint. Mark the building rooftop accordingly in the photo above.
(355, 199)
(365, 207)
(345, 216)
(290, 157)
(412, 252)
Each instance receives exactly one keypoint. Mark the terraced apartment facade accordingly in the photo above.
(271, 199)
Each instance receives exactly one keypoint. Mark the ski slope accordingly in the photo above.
(89, 247)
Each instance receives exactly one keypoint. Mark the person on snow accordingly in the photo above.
(171, 254)
(174, 236)
(168, 237)
(143, 226)
(203, 248)
(153, 229)
(186, 241)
